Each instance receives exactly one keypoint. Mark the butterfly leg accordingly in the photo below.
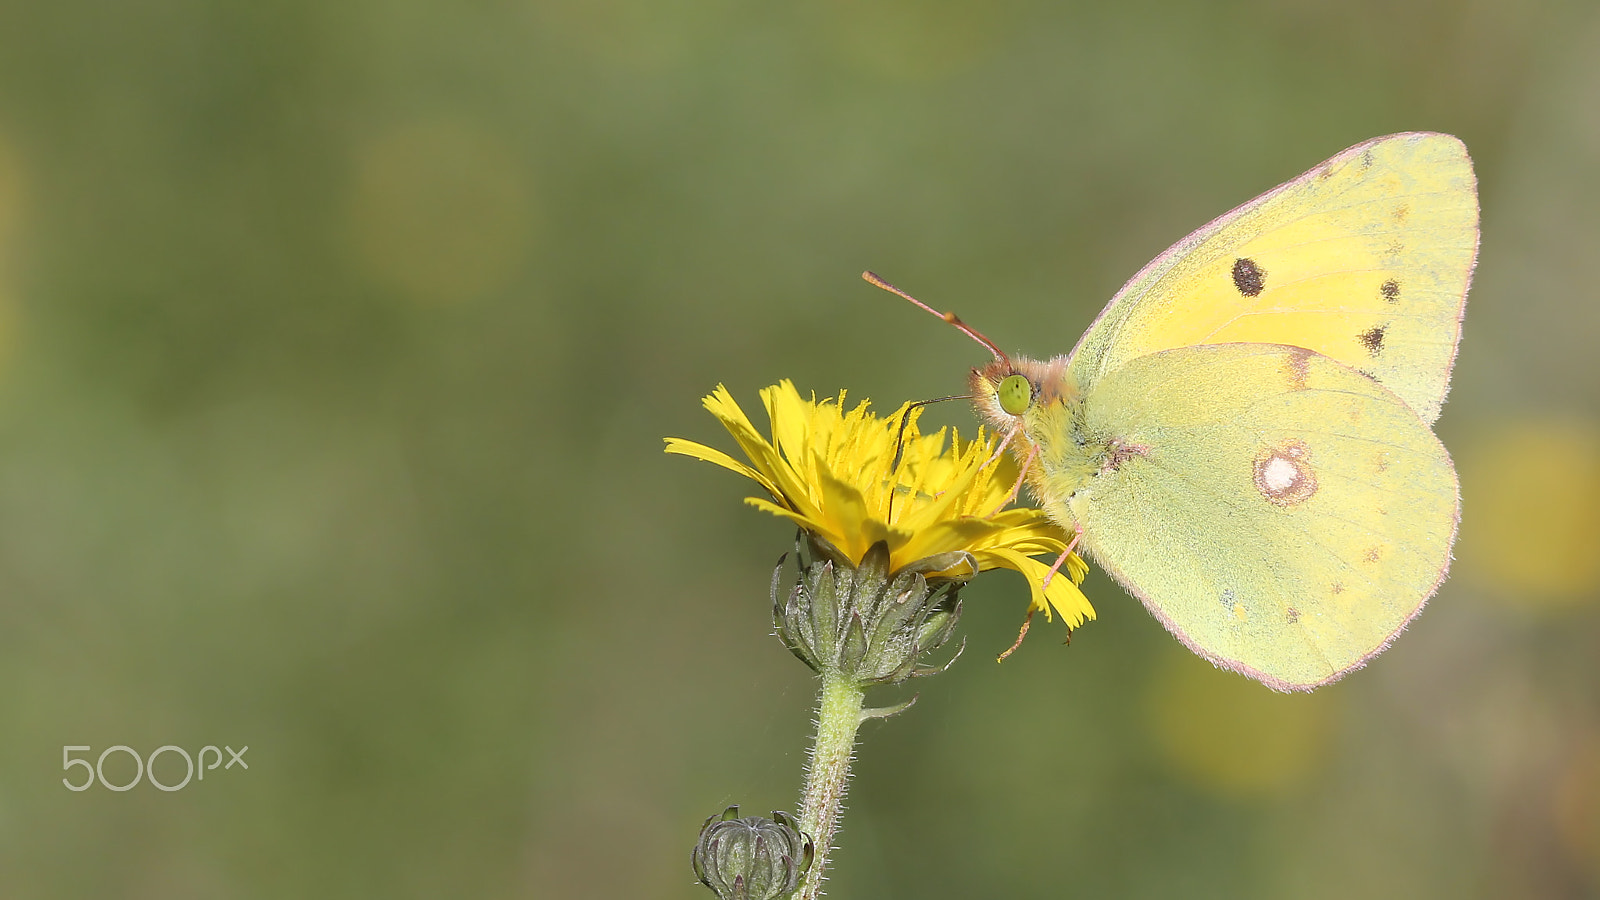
(1060, 561)
(1004, 443)
(1021, 476)
(1077, 535)
(1020, 635)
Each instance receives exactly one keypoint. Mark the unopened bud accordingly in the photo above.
(753, 858)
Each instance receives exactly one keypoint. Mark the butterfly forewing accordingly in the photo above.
(1365, 259)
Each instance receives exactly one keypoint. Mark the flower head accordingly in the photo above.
(851, 480)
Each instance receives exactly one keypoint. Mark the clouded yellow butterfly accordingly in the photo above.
(1242, 438)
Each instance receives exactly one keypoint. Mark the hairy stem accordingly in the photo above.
(838, 716)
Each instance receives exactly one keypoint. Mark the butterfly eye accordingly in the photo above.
(1015, 393)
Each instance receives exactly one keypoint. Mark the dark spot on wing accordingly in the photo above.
(1390, 291)
(1294, 615)
(1248, 277)
(1372, 339)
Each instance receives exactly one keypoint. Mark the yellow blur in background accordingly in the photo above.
(1225, 735)
(1533, 485)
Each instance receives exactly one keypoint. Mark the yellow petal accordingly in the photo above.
(804, 522)
(716, 457)
(1063, 597)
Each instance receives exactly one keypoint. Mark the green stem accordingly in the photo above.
(838, 716)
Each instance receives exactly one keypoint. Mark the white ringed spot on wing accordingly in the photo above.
(1283, 474)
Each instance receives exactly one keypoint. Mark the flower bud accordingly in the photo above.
(753, 858)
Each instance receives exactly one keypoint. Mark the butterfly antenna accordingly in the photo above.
(900, 439)
(873, 279)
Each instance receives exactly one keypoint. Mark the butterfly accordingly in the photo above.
(1243, 437)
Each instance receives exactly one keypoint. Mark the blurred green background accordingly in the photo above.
(338, 340)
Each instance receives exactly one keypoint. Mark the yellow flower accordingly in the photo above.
(836, 475)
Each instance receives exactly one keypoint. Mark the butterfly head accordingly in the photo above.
(1017, 390)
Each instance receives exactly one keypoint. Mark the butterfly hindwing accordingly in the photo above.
(1281, 513)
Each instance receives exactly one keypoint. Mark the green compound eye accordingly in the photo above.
(1015, 393)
